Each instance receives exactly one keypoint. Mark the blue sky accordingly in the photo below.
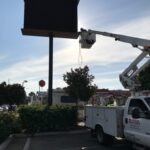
(26, 57)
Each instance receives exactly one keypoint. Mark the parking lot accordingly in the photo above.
(63, 141)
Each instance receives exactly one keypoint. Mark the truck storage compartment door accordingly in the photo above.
(89, 116)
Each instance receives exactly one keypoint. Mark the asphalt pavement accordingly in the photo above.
(79, 140)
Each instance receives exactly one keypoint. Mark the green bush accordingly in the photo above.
(9, 123)
(44, 118)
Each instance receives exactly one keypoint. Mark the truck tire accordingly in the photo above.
(100, 135)
(93, 133)
(103, 138)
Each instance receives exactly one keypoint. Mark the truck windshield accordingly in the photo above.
(147, 99)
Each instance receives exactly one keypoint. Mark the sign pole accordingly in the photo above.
(50, 79)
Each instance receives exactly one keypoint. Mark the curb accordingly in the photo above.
(60, 133)
(4, 145)
(27, 144)
(52, 133)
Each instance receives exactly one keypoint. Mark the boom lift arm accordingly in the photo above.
(128, 76)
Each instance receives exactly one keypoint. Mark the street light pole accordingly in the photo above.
(25, 81)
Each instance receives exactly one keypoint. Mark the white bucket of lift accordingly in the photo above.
(87, 39)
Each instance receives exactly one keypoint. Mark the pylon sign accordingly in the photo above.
(51, 17)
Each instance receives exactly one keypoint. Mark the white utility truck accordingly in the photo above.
(131, 121)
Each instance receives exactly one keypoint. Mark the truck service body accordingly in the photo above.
(120, 121)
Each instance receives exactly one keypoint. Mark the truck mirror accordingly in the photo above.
(136, 113)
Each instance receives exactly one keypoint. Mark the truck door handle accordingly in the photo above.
(126, 120)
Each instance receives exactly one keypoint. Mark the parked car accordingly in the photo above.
(12, 107)
(5, 107)
(1, 109)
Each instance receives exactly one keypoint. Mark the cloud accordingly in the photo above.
(108, 83)
(106, 51)
(31, 70)
(31, 66)
(3, 57)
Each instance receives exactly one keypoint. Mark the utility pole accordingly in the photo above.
(50, 79)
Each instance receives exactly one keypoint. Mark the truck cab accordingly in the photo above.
(136, 120)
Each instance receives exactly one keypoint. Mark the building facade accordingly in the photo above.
(101, 97)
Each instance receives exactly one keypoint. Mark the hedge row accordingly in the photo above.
(9, 123)
(34, 119)
(44, 118)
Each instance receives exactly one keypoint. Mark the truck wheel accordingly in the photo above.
(93, 133)
(103, 138)
(100, 135)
